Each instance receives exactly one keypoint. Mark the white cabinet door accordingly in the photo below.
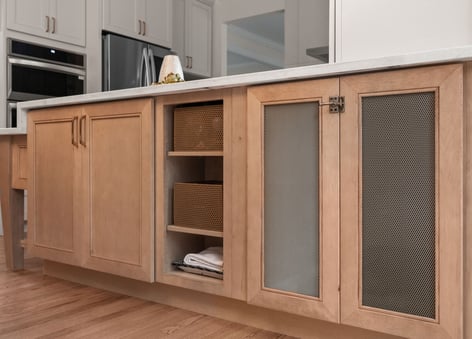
(62, 20)
(28, 16)
(198, 20)
(120, 16)
(192, 36)
(156, 15)
(68, 21)
(147, 20)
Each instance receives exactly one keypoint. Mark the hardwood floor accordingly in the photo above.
(36, 306)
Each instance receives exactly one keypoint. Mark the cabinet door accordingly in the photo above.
(157, 15)
(293, 222)
(29, 16)
(198, 38)
(54, 215)
(118, 187)
(68, 23)
(121, 16)
(401, 202)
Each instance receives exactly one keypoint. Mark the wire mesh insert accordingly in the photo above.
(398, 203)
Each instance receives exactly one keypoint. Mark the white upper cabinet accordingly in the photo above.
(192, 36)
(367, 29)
(147, 20)
(62, 20)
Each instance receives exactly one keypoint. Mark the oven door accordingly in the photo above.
(31, 79)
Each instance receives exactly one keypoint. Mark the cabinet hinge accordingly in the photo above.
(336, 104)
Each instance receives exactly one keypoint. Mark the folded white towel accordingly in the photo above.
(211, 259)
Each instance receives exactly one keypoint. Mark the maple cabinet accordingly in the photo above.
(224, 163)
(147, 20)
(90, 187)
(62, 20)
(356, 217)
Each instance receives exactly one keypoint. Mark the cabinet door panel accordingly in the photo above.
(293, 199)
(198, 38)
(401, 198)
(69, 25)
(121, 16)
(158, 31)
(118, 180)
(54, 210)
(28, 16)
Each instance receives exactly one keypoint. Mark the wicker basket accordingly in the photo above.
(198, 128)
(199, 205)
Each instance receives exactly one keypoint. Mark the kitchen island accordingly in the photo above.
(301, 259)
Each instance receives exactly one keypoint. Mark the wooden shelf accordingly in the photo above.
(196, 277)
(195, 153)
(193, 230)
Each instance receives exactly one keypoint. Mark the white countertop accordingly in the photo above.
(458, 54)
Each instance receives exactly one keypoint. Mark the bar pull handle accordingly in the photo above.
(75, 142)
(82, 130)
(144, 27)
(53, 25)
(47, 23)
(139, 23)
(191, 62)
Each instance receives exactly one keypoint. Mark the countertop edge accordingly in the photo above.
(458, 54)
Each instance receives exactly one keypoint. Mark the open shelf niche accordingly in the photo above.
(187, 165)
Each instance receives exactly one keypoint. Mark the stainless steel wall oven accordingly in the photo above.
(37, 72)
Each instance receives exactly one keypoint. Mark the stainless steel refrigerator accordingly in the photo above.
(129, 63)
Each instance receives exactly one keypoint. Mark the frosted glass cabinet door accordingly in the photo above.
(293, 198)
(401, 202)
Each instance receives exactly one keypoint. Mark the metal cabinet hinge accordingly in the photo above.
(336, 104)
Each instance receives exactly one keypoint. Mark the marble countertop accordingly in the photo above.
(459, 54)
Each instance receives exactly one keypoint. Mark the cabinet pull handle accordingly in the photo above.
(47, 23)
(82, 130)
(187, 62)
(75, 120)
(191, 62)
(144, 27)
(53, 25)
(139, 22)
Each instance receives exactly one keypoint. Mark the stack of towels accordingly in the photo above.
(209, 259)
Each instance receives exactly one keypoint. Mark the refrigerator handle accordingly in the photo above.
(147, 67)
(153, 67)
(141, 69)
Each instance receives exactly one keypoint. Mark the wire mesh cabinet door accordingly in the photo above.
(401, 202)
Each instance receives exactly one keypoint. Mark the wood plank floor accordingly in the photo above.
(36, 306)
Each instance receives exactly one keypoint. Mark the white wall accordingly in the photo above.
(376, 28)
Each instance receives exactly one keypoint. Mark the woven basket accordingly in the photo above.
(198, 128)
(199, 205)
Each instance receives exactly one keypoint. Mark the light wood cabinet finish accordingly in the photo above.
(326, 305)
(54, 220)
(19, 162)
(341, 240)
(91, 186)
(118, 183)
(446, 82)
(170, 245)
